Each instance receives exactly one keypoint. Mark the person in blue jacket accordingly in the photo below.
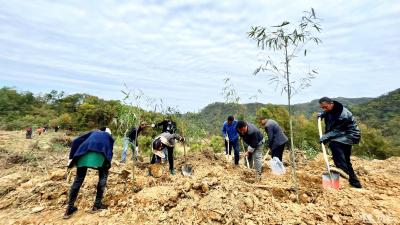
(91, 150)
(231, 137)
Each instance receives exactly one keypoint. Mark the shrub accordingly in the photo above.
(217, 143)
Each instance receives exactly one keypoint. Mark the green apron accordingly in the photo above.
(91, 159)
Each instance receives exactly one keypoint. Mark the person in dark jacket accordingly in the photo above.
(91, 150)
(130, 140)
(341, 131)
(231, 137)
(255, 141)
(28, 134)
(163, 146)
(167, 126)
(276, 138)
(46, 127)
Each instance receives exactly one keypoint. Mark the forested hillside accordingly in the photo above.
(379, 118)
(77, 111)
(383, 113)
(310, 107)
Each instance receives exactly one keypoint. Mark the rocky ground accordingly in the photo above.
(34, 186)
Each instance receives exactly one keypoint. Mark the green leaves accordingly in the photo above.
(283, 24)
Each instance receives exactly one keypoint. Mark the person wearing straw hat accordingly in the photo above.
(341, 132)
(163, 148)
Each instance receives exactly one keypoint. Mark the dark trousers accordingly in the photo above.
(235, 145)
(341, 157)
(170, 155)
(278, 151)
(80, 177)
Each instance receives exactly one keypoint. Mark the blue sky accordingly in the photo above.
(181, 50)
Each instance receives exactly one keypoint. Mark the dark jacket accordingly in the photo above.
(133, 133)
(167, 126)
(276, 137)
(95, 141)
(253, 137)
(230, 130)
(340, 125)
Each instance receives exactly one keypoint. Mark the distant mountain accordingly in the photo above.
(218, 111)
(382, 113)
(310, 107)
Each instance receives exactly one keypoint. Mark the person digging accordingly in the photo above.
(163, 148)
(92, 150)
(341, 132)
(276, 138)
(255, 141)
(130, 140)
(231, 137)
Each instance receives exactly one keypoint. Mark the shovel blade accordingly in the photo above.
(330, 180)
(187, 170)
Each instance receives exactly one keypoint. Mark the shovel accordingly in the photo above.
(187, 169)
(228, 155)
(247, 162)
(327, 177)
(246, 158)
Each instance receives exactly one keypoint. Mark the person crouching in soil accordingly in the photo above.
(163, 146)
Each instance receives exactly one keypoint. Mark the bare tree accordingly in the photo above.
(289, 40)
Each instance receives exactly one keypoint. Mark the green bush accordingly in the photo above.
(309, 150)
(145, 144)
(372, 144)
(196, 146)
(217, 143)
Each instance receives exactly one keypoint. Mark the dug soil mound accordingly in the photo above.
(34, 191)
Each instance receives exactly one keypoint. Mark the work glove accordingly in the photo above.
(137, 150)
(69, 162)
(320, 115)
(250, 149)
(182, 139)
(226, 138)
(324, 139)
(153, 125)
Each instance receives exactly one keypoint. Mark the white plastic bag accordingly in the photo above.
(276, 166)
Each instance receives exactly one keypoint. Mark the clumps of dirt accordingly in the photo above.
(16, 159)
(3, 150)
(35, 146)
(209, 155)
(218, 193)
(65, 141)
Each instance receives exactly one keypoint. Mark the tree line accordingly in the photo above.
(378, 119)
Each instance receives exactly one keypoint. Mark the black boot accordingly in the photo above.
(97, 208)
(354, 182)
(69, 212)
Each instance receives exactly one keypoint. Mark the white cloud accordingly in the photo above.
(181, 50)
